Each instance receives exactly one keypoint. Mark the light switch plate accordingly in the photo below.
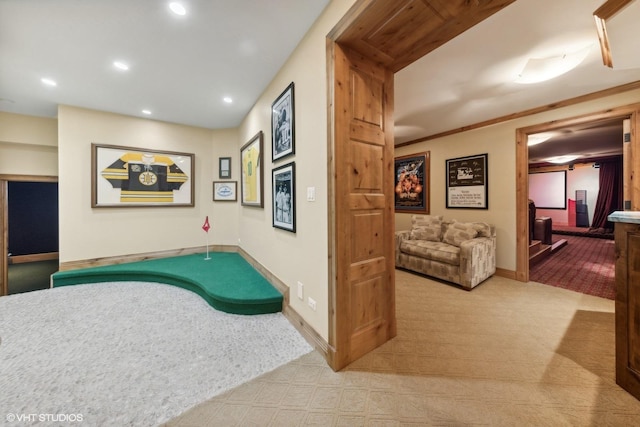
(311, 194)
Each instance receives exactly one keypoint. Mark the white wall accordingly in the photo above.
(301, 256)
(499, 142)
(581, 178)
(28, 145)
(89, 233)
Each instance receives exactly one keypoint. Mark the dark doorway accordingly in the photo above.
(32, 243)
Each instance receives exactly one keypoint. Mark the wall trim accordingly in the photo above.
(503, 272)
(29, 178)
(121, 259)
(271, 278)
(310, 334)
(549, 107)
(21, 259)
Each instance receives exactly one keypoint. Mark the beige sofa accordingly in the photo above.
(459, 252)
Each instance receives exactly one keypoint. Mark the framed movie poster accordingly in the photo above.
(411, 175)
(283, 125)
(284, 200)
(467, 183)
(225, 191)
(251, 187)
(139, 177)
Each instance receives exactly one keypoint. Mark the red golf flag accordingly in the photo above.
(206, 225)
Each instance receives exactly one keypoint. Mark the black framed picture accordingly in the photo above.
(411, 181)
(224, 167)
(283, 125)
(467, 182)
(284, 201)
(251, 186)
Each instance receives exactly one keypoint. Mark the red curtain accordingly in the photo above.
(610, 193)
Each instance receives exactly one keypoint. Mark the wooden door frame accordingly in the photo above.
(337, 356)
(354, 30)
(522, 172)
(4, 221)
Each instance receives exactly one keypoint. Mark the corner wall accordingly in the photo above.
(89, 233)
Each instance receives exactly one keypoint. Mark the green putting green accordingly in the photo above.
(226, 281)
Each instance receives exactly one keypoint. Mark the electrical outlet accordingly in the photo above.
(312, 304)
(300, 291)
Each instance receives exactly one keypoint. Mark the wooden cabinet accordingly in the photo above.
(627, 235)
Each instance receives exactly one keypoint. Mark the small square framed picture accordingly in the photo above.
(224, 168)
(225, 191)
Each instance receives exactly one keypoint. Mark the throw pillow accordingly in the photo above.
(483, 229)
(459, 232)
(426, 227)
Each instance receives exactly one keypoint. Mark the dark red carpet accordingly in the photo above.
(585, 265)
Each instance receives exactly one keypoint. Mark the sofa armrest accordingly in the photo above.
(477, 260)
(399, 237)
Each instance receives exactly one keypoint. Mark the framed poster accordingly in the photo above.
(284, 201)
(135, 177)
(224, 168)
(251, 187)
(283, 125)
(467, 183)
(411, 180)
(225, 191)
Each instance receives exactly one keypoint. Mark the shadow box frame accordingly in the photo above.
(252, 173)
(113, 165)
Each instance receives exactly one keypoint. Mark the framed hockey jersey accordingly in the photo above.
(127, 176)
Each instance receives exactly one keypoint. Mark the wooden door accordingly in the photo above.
(364, 298)
(628, 307)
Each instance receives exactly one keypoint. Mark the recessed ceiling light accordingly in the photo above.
(120, 65)
(177, 8)
(147, 112)
(48, 82)
(227, 99)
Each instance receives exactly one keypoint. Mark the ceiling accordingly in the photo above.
(181, 67)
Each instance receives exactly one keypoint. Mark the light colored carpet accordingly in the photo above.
(129, 353)
(505, 354)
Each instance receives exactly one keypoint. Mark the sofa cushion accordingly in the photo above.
(426, 227)
(459, 232)
(434, 251)
(483, 229)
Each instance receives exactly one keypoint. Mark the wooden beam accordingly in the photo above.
(549, 107)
